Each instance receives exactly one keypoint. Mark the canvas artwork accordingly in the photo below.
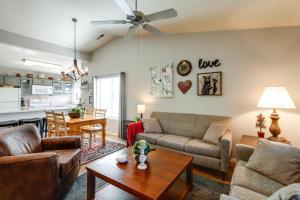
(209, 84)
(162, 80)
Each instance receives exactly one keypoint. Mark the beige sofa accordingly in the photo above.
(185, 132)
(247, 184)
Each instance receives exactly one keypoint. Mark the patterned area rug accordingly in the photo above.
(97, 150)
(204, 189)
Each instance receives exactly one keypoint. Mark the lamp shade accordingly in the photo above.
(141, 108)
(275, 97)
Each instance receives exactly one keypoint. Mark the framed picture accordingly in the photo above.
(209, 84)
(162, 80)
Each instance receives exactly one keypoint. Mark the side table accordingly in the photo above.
(253, 140)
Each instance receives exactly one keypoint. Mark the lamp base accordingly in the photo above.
(279, 139)
(274, 128)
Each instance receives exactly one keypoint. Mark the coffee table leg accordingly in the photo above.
(90, 186)
(189, 175)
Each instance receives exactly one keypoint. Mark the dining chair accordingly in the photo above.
(61, 127)
(93, 129)
(50, 123)
(89, 111)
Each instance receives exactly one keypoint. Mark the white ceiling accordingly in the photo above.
(50, 20)
(11, 57)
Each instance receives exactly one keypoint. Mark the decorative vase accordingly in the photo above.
(142, 158)
(261, 134)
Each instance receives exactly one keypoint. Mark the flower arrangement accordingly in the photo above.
(136, 149)
(261, 124)
(75, 112)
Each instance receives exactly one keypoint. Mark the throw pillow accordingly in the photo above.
(280, 162)
(286, 193)
(151, 126)
(214, 132)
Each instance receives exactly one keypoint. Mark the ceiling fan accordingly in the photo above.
(138, 19)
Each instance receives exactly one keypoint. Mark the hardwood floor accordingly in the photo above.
(211, 174)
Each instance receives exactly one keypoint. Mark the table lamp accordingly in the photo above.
(141, 109)
(275, 97)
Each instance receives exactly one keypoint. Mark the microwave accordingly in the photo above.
(42, 89)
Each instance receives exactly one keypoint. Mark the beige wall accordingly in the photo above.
(250, 60)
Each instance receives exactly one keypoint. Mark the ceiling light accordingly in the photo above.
(75, 73)
(41, 63)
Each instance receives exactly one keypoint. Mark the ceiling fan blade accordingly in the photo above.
(124, 7)
(165, 14)
(109, 22)
(153, 30)
(130, 32)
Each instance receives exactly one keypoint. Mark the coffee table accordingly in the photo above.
(159, 181)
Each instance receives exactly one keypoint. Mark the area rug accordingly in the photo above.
(204, 189)
(97, 150)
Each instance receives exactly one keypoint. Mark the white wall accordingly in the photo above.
(251, 60)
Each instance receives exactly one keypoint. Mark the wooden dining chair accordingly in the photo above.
(50, 123)
(93, 129)
(61, 127)
(89, 111)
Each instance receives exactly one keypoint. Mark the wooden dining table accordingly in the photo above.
(74, 124)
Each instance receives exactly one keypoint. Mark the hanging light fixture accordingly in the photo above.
(75, 73)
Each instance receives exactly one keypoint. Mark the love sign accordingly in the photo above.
(209, 63)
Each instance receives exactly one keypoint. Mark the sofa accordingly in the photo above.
(34, 168)
(184, 133)
(247, 184)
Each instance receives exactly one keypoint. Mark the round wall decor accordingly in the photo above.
(184, 67)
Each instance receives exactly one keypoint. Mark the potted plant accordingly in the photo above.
(261, 124)
(136, 148)
(75, 112)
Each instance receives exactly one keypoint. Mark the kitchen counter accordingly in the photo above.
(28, 109)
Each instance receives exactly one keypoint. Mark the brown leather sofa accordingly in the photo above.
(34, 168)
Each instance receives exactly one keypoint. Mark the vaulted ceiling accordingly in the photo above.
(50, 20)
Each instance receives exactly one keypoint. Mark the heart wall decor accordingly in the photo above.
(185, 86)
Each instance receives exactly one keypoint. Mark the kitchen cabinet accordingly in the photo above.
(26, 86)
(2, 80)
(39, 81)
(12, 80)
(68, 87)
(58, 87)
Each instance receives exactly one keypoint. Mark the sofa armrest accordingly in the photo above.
(59, 143)
(243, 152)
(226, 197)
(30, 176)
(225, 148)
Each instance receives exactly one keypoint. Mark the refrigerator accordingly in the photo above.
(10, 98)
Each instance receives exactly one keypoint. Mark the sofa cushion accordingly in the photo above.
(281, 162)
(241, 193)
(173, 141)
(150, 137)
(253, 180)
(164, 120)
(214, 132)
(182, 124)
(151, 125)
(200, 147)
(20, 140)
(67, 159)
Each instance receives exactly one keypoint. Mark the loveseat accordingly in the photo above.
(185, 132)
(34, 168)
(247, 184)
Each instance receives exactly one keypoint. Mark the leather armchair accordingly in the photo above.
(35, 168)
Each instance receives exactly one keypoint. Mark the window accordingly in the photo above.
(107, 95)
(76, 93)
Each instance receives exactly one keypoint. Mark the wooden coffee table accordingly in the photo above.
(159, 181)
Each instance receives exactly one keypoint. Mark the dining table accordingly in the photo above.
(74, 124)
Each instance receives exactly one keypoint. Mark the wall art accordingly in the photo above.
(162, 80)
(185, 86)
(208, 63)
(209, 84)
(184, 67)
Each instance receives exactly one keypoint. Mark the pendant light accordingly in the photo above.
(75, 73)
